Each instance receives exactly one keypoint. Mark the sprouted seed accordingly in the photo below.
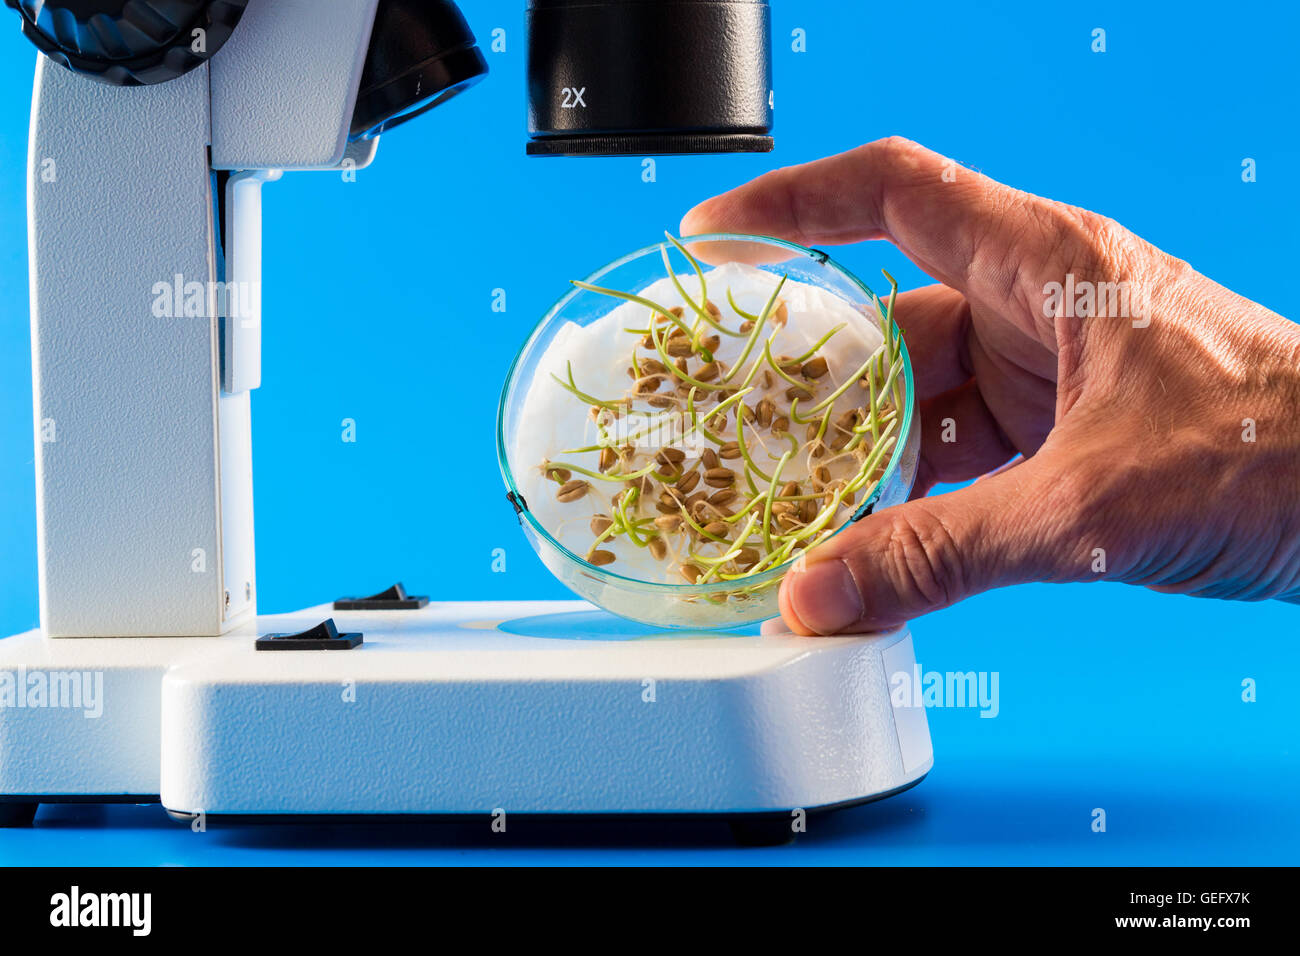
(712, 505)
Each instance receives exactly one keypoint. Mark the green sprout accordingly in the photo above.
(712, 499)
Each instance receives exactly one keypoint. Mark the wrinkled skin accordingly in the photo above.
(1131, 427)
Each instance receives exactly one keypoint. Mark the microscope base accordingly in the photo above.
(541, 709)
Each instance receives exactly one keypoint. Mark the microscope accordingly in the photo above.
(153, 678)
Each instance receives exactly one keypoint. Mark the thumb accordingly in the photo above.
(929, 553)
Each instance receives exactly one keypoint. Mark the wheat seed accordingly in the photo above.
(572, 490)
(668, 523)
(814, 368)
(719, 477)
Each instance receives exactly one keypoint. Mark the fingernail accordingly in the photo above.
(825, 596)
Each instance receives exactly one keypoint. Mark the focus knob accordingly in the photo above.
(129, 42)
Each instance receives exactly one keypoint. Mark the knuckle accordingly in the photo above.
(921, 560)
(1092, 255)
(895, 144)
(898, 153)
(1104, 250)
(1093, 245)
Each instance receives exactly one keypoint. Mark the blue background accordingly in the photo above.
(1111, 697)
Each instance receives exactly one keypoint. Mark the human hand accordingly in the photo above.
(1160, 431)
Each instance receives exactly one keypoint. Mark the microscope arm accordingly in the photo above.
(143, 428)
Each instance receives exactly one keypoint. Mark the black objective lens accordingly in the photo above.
(422, 53)
(631, 77)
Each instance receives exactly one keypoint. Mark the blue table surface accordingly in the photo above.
(1108, 697)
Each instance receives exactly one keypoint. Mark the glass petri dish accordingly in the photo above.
(716, 604)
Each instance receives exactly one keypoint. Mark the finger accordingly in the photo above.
(935, 321)
(715, 252)
(960, 439)
(929, 553)
(993, 243)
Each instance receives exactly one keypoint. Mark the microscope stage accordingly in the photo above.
(462, 708)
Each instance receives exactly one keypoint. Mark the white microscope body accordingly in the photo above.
(145, 531)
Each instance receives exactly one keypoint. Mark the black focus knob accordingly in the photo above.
(129, 42)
